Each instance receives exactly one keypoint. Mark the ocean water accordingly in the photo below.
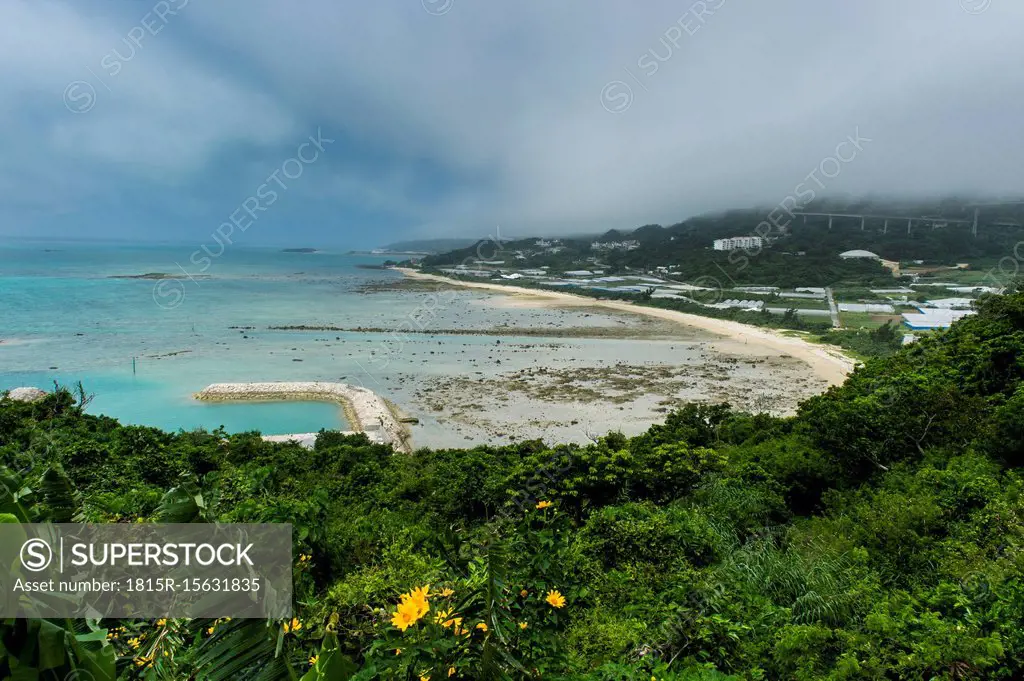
(65, 317)
(143, 347)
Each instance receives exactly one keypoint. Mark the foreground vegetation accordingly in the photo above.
(875, 535)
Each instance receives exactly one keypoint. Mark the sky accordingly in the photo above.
(335, 123)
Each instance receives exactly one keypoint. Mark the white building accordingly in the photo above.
(866, 255)
(731, 244)
(742, 304)
(932, 318)
(877, 308)
(975, 289)
(615, 245)
(803, 296)
(951, 303)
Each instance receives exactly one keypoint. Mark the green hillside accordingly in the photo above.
(800, 251)
(877, 534)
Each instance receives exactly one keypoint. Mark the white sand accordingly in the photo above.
(828, 363)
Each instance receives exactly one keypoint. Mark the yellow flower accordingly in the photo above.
(424, 678)
(481, 626)
(161, 623)
(292, 626)
(543, 504)
(420, 593)
(445, 619)
(398, 651)
(446, 592)
(313, 660)
(416, 601)
(405, 616)
(555, 599)
(523, 625)
(209, 632)
(524, 593)
(451, 671)
(133, 642)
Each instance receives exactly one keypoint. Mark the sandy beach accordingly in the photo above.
(826, 363)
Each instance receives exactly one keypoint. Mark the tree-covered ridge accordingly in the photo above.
(877, 534)
(798, 252)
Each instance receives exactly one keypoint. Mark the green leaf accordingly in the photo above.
(51, 645)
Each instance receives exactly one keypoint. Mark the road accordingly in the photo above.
(832, 307)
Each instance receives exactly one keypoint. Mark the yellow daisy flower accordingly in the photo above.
(555, 599)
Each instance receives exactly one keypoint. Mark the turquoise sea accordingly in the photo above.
(66, 317)
(77, 311)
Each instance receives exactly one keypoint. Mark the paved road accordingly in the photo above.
(832, 308)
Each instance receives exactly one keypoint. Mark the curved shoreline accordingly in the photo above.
(830, 365)
(366, 411)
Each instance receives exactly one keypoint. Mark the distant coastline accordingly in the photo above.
(827, 363)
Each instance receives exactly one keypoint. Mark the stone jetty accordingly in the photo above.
(365, 410)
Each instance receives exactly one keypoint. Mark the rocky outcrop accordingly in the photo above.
(26, 394)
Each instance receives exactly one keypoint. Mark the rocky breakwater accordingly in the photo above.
(366, 411)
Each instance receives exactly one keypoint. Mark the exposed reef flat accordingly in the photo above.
(644, 329)
(831, 365)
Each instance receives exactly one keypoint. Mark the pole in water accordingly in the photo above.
(133, 366)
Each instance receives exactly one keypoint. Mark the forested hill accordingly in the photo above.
(877, 534)
(801, 245)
